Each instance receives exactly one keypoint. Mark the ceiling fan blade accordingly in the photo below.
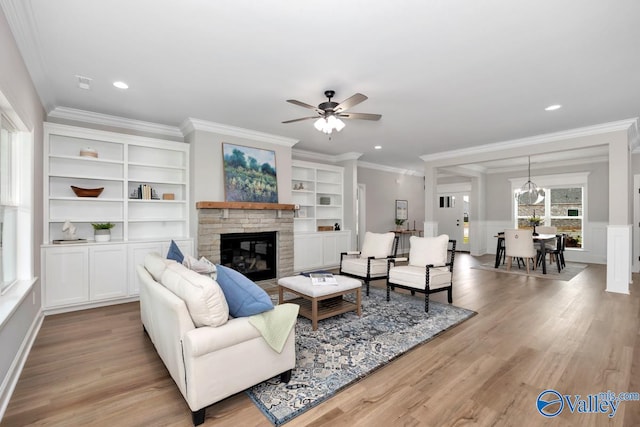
(297, 120)
(350, 102)
(361, 116)
(302, 104)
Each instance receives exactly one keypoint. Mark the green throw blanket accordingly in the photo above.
(275, 325)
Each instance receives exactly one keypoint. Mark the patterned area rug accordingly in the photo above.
(346, 348)
(567, 273)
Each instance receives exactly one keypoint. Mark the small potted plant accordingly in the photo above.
(399, 223)
(535, 220)
(102, 231)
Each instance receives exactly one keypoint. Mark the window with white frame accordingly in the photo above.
(15, 202)
(563, 206)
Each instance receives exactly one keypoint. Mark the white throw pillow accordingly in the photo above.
(202, 295)
(428, 250)
(378, 245)
(155, 264)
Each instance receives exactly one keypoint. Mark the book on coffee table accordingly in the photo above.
(322, 279)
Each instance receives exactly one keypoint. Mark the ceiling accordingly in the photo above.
(445, 75)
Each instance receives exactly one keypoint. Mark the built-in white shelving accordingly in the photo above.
(317, 190)
(87, 274)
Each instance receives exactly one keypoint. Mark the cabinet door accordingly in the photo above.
(307, 251)
(108, 272)
(137, 253)
(66, 276)
(333, 245)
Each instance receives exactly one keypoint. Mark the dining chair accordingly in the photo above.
(429, 268)
(370, 262)
(557, 252)
(519, 244)
(550, 245)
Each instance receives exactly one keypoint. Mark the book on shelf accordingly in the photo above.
(69, 241)
(322, 279)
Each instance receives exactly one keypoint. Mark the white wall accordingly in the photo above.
(20, 307)
(206, 168)
(383, 189)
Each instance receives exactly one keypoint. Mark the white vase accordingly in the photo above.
(102, 235)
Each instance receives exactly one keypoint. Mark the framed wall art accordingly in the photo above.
(249, 174)
(402, 209)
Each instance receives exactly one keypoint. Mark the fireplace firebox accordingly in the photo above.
(252, 254)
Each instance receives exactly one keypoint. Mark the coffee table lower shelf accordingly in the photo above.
(318, 308)
(326, 308)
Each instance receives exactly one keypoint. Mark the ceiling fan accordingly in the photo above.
(330, 112)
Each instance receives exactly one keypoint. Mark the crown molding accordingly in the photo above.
(310, 155)
(191, 124)
(620, 125)
(390, 169)
(20, 17)
(114, 121)
(329, 158)
(348, 156)
(634, 138)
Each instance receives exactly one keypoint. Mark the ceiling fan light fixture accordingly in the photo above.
(330, 112)
(329, 124)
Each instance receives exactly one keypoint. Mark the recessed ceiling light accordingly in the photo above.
(378, 147)
(121, 85)
(553, 107)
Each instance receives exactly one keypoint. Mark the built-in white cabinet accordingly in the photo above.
(107, 272)
(317, 190)
(65, 277)
(145, 192)
(78, 276)
(319, 250)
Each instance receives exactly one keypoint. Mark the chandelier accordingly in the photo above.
(328, 124)
(529, 193)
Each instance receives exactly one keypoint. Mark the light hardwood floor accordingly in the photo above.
(96, 367)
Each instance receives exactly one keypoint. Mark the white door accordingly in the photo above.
(452, 214)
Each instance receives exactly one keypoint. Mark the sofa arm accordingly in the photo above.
(207, 339)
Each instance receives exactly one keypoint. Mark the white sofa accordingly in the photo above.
(207, 363)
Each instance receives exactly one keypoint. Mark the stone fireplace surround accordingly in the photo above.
(216, 218)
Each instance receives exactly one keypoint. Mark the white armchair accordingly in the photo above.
(371, 262)
(429, 268)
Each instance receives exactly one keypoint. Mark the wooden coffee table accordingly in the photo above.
(319, 302)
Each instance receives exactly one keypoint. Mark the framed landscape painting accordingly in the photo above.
(249, 174)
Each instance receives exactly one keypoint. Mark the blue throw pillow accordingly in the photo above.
(244, 297)
(175, 253)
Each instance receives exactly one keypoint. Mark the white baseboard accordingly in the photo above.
(10, 381)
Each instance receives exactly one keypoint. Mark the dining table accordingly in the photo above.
(542, 238)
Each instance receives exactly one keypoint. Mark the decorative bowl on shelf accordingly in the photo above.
(87, 192)
(88, 152)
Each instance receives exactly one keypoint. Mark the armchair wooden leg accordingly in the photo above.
(450, 295)
(388, 292)
(198, 416)
(367, 283)
(426, 302)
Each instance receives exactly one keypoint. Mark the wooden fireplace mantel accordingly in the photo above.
(245, 205)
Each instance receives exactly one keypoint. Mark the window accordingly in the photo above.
(15, 203)
(563, 206)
